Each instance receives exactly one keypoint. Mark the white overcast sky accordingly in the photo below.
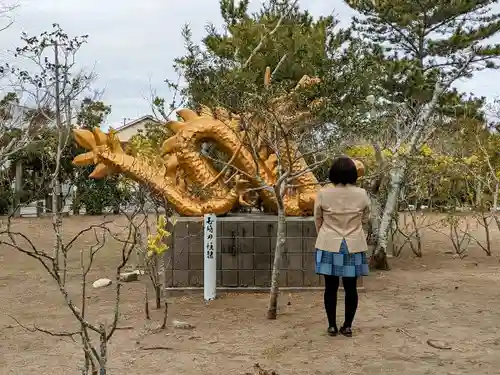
(133, 43)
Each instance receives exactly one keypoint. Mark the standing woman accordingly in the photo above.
(340, 211)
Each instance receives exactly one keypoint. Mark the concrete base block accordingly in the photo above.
(245, 254)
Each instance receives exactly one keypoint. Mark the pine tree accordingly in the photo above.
(233, 60)
(428, 40)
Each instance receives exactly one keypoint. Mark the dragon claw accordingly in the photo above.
(85, 138)
(85, 159)
(101, 170)
(95, 141)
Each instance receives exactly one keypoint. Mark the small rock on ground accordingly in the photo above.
(182, 325)
(101, 283)
(439, 344)
(127, 277)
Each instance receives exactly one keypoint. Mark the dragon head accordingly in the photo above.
(96, 142)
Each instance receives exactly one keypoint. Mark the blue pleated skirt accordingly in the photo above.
(341, 264)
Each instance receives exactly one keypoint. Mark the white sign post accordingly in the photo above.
(210, 251)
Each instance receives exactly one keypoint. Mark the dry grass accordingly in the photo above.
(437, 297)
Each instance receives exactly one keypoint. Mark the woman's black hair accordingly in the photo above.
(343, 171)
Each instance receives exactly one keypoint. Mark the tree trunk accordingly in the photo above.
(280, 246)
(495, 205)
(487, 232)
(379, 258)
(146, 303)
(373, 229)
(76, 203)
(495, 197)
(158, 296)
(394, 224)
(103, 360)
(479, 194)
(165, 316)
(376, 207)
(420, 126)
(18, 189)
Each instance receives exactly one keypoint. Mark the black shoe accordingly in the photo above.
(332, 331)
(346, 331)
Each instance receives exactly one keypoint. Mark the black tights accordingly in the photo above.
(351, 299)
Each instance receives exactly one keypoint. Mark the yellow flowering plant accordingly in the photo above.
(156, 242)
(156, 246)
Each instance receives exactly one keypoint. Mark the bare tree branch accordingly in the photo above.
(46, 331)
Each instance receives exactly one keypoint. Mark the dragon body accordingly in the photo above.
(253, 168)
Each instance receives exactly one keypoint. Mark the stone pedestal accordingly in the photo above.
(245, 253)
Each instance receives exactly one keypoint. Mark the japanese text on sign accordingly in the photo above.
(209, 237)
(210, 257)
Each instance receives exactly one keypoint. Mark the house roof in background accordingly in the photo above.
(137, 121)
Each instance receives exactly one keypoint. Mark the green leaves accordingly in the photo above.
(230, 63)
(232, 13)
(420, 43)
(431, 34)
(92, 113)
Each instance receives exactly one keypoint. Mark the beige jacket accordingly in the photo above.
(340, 212)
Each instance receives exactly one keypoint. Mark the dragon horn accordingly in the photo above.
(187, 114)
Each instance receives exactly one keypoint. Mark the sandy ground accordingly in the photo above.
(437, 297)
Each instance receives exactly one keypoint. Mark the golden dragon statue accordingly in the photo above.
(253, 169)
